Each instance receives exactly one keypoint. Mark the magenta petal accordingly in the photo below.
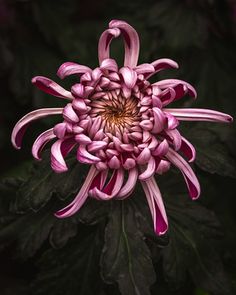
(189, 176)
(41, 141)
(22, 124)
(70, 68)
(81, 197)
(131, 41)
(188, 149)
(129, 186)
(112, 188)
(51, 87)
(199, 115)
(156, 206)
(58, 151)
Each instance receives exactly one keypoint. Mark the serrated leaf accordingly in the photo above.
(74, 269)
(213, 154)
(194, 232)
(43, 183)
(125, 256)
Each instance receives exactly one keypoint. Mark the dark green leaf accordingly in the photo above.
(125, 257)
(74, 269)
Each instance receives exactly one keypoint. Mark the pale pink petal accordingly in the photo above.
(81, 197)
(131, 41)
(162, 167)
(104, 43)
(144, 156)
(129, 164)
(41, 141)
(199, 115)
(51, 87)
(188, 149)
(189, 176)
(83, 139)
(58, 151)
(22, 124)
(96, 146)
(79, 105)
(60, 129)
(161, 149)
(129, 186)
(161, 64)
(69, 114)
(174, 137)
(109, 64)
(129, 76)
(172, 122)
(144, 69)
(156, 206)
(114, 163)
(159, 120)
(78, 90)
(85, 157)
(71, 68)
(150, 170)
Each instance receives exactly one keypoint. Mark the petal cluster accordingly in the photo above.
(118, 122)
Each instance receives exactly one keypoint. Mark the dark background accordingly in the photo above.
(38, 36)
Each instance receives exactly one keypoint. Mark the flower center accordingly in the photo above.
(117, 112)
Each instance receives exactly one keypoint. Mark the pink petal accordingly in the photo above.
(22, 124)
(160, 64)
(129, 76)
(109, 64)
(60, 129)
(174, 137)
(81, 197)
(189, 176)
(112, 188)
(161, 149)
(71, 68)
(156, 206)
(114, 163)
(41, 141)
(199, 115)
(104, 43)
(144, 69)
(131, 41)
(163, 167)
(96, 146)
(181, 87)
(150, 170)
(188, 149)
(69, 114)
(78, 90)
(129, 186)
(159, 120)
(144, 156)
(51, 87)
(58, 151)
(85, 157)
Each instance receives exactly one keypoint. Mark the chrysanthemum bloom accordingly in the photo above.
(119, 124)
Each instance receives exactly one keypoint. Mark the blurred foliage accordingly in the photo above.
(43, 255)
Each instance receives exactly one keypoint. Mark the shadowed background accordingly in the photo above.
(38, 36)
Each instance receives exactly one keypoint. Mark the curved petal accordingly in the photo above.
(22, 124)
(174, 137)
(188, 149)
(104, 43)
(189, 176)
(129, 76)
(85, 157)
(199, 115)
(181, 87)
(41, 141)
(71, 68)
(161, 64)
(159, 120)
(112, 188)
(58, 151)
(156, 206)
(81, 197)
(149, 171)
(109, 64)
(50, 87)
(129, 186)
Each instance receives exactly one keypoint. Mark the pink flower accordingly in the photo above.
(118, 122)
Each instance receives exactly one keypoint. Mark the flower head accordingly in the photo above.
(118, 122)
